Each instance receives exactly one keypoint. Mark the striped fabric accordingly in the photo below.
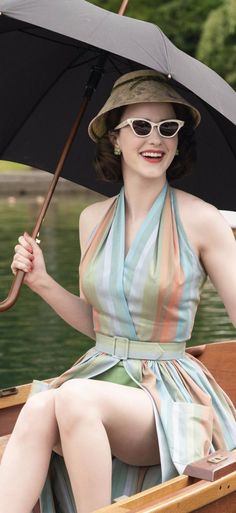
(153, 292)
(150, 294)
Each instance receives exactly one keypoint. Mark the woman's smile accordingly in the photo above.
(153, 156)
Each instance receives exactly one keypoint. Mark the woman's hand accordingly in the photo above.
(29, 258)
(73, 309)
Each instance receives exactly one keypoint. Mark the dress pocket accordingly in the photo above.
(190, 433)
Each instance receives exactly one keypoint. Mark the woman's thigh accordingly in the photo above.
(126, 413)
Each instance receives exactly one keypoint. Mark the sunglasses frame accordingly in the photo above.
(129, 122)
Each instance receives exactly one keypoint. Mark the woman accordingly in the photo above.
(145, 257)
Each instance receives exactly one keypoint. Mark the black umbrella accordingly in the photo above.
(47, 52)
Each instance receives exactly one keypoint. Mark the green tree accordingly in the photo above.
(217, 46)
(204, 29)
(180, 20)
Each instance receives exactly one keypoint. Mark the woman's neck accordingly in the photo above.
(140, 196)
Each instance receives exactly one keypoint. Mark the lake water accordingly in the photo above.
(34, 342)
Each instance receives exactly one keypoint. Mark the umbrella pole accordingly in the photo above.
(123, 7)
(89, 89)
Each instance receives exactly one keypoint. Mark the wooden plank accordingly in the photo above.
(11, 405)
(191, 498)
(156, 493)
(8, 418)
(220, 359)
(225, 505)
(16, 399)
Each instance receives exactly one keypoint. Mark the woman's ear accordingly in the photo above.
(113, 137)
(114, 140)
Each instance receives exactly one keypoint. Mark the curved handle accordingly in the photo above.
(19, 277)
(14, 292)
(18, 280)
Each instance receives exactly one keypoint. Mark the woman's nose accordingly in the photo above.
(154, 135)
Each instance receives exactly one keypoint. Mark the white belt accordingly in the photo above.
(124, 348)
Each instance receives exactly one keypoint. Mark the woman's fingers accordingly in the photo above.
(28, 258)
(23, 242)
(20, 250)
(23, 258)
(25, 263)
(31, 242)
(17, 264)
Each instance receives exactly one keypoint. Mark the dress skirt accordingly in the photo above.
(193, 415)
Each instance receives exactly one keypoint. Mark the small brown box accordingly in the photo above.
(214, 466)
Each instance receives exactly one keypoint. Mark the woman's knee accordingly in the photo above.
(75, 402)
(38, 415)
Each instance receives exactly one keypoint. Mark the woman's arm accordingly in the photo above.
(218, 255)
(71, 308)
(74, 310)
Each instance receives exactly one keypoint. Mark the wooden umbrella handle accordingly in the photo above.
(90, 88)
(18, 280)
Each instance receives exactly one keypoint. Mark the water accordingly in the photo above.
(34, 342)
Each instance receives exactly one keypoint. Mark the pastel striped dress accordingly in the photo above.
(149, 295)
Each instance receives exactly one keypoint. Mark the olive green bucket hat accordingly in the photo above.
(142, 86)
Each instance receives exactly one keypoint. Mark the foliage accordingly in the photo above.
(181, 20)
(217, 46)
(12, 166)
(204, 29)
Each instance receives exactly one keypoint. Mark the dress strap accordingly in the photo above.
(124, 348)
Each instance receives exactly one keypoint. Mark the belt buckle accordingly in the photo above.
(159, 352)
(121, 347)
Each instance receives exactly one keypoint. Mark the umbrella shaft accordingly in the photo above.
(17, 282)
(59, 167)
(123, 7)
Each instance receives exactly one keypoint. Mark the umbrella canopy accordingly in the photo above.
(47, 50)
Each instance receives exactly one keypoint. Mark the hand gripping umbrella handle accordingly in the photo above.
(91, 86)
(18, 280)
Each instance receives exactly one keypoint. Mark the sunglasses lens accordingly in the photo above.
(141, 127)
(168, 128)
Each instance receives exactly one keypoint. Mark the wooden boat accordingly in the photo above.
(182, 494)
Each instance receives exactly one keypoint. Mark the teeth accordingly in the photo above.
(152, 154)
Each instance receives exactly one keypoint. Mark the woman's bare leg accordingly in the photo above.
(26, 458)
(96, 418)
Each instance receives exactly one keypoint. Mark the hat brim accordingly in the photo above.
(143, 86)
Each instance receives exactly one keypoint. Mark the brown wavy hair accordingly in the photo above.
(108, 166)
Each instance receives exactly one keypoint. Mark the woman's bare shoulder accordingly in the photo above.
(95, 212)
(200, 219)
(196, 207)
(91, 216)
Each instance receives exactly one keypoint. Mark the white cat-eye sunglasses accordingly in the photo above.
(143, 127)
